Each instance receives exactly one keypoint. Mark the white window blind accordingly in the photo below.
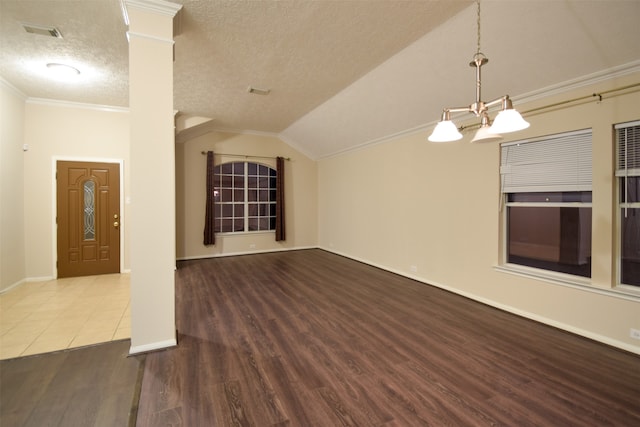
(628, 149)
(559, 162)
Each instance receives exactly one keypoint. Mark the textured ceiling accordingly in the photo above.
(303, 51)
(341, 73)
(94, 41)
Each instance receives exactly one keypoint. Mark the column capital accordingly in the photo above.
(156, 6)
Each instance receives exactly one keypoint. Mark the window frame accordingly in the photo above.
(246, 202)
(619, 176)
(505, 204)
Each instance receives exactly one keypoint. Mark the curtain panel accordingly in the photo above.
(280, 229)
(210, 216)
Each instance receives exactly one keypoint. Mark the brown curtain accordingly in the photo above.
(280, 234)
(209, 215)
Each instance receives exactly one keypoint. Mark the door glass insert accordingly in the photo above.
(89, 210)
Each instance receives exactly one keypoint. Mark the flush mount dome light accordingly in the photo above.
(63, 70)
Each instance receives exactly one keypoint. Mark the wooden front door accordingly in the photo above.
(88, 218)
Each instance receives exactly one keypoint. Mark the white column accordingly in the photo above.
(152, 171)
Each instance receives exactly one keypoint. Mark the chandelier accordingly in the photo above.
(507, 120)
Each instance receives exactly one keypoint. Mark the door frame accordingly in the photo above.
(54, 200)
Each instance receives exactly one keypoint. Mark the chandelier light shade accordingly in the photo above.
(485, 134)
(507, 120)
(445, 130)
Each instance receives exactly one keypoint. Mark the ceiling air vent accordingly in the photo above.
(257, 91)
(43, 31)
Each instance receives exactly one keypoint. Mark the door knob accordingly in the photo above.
(116, 224)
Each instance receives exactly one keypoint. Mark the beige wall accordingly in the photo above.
(300, 195)
(56, 131)
(12, 245)
(431, 211)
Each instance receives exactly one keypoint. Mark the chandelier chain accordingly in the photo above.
(478, 49)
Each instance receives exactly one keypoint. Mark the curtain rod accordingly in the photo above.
(244, 156)
(598, 96)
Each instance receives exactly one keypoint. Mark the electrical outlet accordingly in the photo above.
(634, 333)
(413, 268)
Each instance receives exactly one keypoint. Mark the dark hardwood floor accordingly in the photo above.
(93, 386)
(309, 338)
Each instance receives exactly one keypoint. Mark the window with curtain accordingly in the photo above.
(628, 181)
(245, 197)
(546, 186)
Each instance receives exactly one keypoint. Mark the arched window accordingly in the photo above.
(245, 197)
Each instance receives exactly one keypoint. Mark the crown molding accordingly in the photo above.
(557, 89)
(13, 89)
(578, 82)
(71, 104)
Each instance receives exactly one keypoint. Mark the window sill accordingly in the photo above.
(576, 282)
(244, 233)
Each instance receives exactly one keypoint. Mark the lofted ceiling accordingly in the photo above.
(340, 73)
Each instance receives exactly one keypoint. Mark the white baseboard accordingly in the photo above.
(146, 348)
(40, 279)
(265, 251)
(13, 286)
(522, 313)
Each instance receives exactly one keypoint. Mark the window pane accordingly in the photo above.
(630, 230)
(253, 169)
(226, 195)
(263, 170)
(264, 195)
(264, 223)
(238, 195)
(217, 228)
(89, 210)
(272, 172)
(238, 168)
(226, 181)
(272, 209)
(252, 195)
(238, 224)
(226, 225)
(550, 238)
(227, 168)
(238, 181)
(253, 209)
(632, 186)
(264, 182)
(227, 210)
(238, 211)
(272, 195)
(252, 182)
(253, 224)
(272, 223)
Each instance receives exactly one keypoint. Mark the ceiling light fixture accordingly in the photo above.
(63, 70)
(507, 120)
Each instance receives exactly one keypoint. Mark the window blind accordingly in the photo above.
(628, 149)
(559, 162)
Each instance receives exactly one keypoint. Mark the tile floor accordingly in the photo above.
(39, 317)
